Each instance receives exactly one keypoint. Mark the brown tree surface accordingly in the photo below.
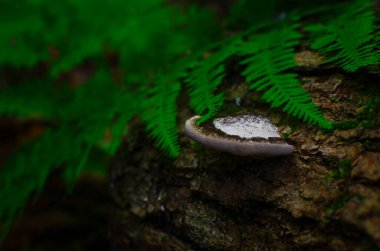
(326, 196)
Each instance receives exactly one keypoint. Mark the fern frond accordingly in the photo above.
(97, 107)
(18, 181)
(73, 169)
(95, 113)
(268, 58)
(159, 114)
(347, 38)
(84, 114)
(205, 79)
(202, 85)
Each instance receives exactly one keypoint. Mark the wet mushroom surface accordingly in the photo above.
(244, 135)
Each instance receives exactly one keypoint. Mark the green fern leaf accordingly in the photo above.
(73, 169)
(84, 115)
(18, 181)
(160, 114)
(268, 58)
(204, 80)
(347, 38)
(202, 85)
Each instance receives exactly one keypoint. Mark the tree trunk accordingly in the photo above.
(325, 196)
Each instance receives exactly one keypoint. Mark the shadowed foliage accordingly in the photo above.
(160, 48)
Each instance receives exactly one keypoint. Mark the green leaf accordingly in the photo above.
(204, 80)
(348, 38)
(267, 59)
(25, 175)
(159, 114)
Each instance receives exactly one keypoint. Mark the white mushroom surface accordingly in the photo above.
(244, 135)
(247, 126)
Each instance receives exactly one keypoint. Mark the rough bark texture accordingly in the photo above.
(326, 196)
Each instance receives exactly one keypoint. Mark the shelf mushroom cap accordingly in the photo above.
(244, 135)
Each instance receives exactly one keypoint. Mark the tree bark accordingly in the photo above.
(325, 196)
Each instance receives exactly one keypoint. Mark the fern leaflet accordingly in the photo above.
(267, 59)
(205, 79)
(84, 115)
(160, 114)
(347, 37)
(53, 148)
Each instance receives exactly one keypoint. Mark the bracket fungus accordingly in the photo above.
(244, 135)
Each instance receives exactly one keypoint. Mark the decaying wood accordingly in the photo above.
(326, 196)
